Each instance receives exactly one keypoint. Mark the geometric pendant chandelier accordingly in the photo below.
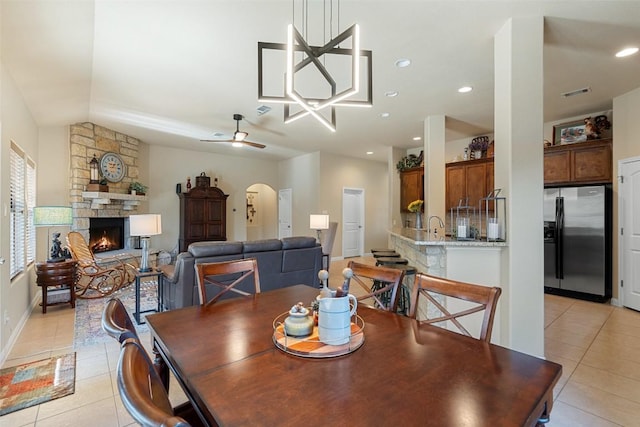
(303, 58)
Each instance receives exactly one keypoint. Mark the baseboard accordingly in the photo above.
(16, 332)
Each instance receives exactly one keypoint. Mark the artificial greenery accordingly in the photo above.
(138, 187)
(410, 161)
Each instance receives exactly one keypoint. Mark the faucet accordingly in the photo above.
(435, 230)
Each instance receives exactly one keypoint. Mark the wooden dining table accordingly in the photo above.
(225, 359)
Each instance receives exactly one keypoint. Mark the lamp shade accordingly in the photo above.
(52, 215)
(319, 222)
(145, 225)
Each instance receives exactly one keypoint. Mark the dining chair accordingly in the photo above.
(378, 283)
(230, 276)
(479, 298)
(116, 321)
(97, 279)
(143, 394)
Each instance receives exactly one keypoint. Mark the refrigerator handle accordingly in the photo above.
(559, 237)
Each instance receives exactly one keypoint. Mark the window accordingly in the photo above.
(22, 200)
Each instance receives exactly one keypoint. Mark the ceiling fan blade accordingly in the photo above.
(254, 144)
(249, 143)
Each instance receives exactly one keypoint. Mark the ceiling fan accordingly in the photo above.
(238, 136)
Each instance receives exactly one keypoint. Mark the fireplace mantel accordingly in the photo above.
(100, 199)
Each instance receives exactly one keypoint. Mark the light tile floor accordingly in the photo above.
(598, 346)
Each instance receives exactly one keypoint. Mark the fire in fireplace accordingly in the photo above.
(106, 234)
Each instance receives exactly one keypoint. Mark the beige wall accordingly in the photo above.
(337, 173)
(16, 124)
(169, 166)
(626, 143)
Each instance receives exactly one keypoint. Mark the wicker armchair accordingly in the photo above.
(97, 279)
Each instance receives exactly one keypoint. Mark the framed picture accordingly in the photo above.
(568, 133)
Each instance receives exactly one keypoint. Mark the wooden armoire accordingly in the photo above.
(203, 215)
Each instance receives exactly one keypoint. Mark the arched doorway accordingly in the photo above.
(262, 212)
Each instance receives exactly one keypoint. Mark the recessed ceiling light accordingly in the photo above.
(627, 52)
(416, 138)
(369, 152)
(391, 93)
(401, 63)
(465, 89)
(384, 115)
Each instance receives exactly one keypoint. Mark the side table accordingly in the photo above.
(139, 276)
(61, 276)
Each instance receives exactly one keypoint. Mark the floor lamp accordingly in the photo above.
(319, 223)
(145, 226)
(53, 216)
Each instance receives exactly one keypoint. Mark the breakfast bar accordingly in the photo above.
(471, 261)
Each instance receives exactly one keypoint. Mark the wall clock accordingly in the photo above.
(112, 167)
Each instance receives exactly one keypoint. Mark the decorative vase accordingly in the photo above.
(419, 220)
(477, 154)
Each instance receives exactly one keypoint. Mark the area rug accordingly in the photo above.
(34, 383)
(88, 323)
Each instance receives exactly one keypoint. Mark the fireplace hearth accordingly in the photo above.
(106, 234)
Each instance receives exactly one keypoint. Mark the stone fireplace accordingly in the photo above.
(87, 140)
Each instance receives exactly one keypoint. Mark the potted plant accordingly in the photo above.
(137, 188)
(478, 145)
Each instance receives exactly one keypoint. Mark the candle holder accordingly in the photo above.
(462, 221)
(494, 224)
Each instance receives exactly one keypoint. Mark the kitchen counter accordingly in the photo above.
(471, 261)
(422, 238)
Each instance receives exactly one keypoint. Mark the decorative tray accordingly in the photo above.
(311, 346)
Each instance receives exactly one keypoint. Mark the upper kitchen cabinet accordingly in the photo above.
(411, 186)
(586, 162)
(472, 179)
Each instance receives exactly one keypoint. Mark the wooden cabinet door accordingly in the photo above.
(455, 185)
(557, 167)
(195, 220)
(591, 164)
(411, 187)
(476, 180)
(490, 183)
(215, 227)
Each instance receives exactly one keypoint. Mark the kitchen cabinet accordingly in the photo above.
(471, 178)
(411, 186)
(580, 163)
(203, 216)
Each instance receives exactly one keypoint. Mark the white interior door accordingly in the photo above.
(629, 219)
(353, 222)
(284, 213)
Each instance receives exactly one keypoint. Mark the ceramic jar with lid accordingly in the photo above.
(298, 323)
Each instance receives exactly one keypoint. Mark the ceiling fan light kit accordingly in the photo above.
(239, 136)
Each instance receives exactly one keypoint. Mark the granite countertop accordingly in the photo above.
(421, 238)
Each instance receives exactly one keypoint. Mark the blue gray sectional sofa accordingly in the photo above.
(281, 262)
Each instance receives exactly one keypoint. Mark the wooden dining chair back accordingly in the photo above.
(97, 279)
(380, 284)
(142, 392)
(116, 322)
(226, 276)
(437, 307)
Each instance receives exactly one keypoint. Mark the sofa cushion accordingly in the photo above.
(261, 246)
(208, 249)
(297, 242)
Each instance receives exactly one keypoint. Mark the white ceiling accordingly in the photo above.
(175, 72)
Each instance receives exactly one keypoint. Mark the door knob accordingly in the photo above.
(1, 260)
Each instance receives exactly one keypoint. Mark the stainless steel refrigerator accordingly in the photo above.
(577, 241)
